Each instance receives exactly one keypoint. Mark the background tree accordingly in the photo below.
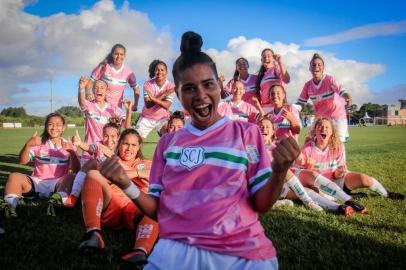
(14, 112)
(70, 111)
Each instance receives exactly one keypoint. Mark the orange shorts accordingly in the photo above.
(121, 212)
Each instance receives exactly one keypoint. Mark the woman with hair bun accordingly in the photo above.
(207, 189)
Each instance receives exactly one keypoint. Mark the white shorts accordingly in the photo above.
(170, 254)
(145, 126)
(44, 188)
(342, 129)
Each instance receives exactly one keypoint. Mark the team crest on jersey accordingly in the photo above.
(141, 166)
(192, 157)
(252, 153)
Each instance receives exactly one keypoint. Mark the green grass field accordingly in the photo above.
(304, 239)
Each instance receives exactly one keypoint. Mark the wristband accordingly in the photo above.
(132, 191)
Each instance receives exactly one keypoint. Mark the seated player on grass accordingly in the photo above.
(325, 154)
(293, 188)
(105, 205)
(53, 157)
(98, 151)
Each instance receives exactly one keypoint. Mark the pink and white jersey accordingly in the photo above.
(50, 161)
(326, 97)
(249, 86)
(242, 111)
(116, 81)
(325, 161)
(283, 125)
(272, 76)
(96, 118)
(213, 171)
(270, 148)
(156, 112)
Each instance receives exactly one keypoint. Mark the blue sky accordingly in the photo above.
(363, 39)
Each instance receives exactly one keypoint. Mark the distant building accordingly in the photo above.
(393, 115)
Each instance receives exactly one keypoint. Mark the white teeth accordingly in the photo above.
(202, 106)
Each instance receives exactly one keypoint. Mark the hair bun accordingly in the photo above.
(316, 55)
(191, 42)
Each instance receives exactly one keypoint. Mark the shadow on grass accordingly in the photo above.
(42, 242)
(311, 245)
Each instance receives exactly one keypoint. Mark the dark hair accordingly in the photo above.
(191, 55)
(111, 125)
(153, 65)
(261, 73)
(131, 131)
(316, 56)
(45, 134)
(236, 75)
(109, 57)
(177, 115)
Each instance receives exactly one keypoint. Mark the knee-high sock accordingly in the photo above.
(297, 187)
(322, 201)
(378, 188)
(92, 204)
(78, 183)
(147, 234)
(12, 199)
(331, 188)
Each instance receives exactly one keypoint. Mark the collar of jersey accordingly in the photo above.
(116, 70)
(195, 131)
(320, 83)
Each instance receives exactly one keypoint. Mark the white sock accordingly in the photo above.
(378, 188)
(331, 188)
(297, 187)
(78, 183)
(322, 201)
(12, 199)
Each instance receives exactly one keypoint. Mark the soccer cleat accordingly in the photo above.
(283, 202)
(314, 206)
(54, 201)
(136, 259)
(356, 206)
(70, 201)
(395, 196)
(92, 242)
(358, 195)
(346, 210)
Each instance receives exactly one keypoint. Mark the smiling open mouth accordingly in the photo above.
(203, 110)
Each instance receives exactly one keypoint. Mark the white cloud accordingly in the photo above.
(35, 49)
(352, 74)
(361, 32)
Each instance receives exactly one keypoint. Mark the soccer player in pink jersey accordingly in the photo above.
(98, 152)
(248, 80)
(99, 112)
(272, 71)
(285, 117)
(325, 154)
(113, 71)
(53, 159)
(158, 97)
(209, 180)
(328, 97)
(175, 122)
(238, 109)
(295, 188)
